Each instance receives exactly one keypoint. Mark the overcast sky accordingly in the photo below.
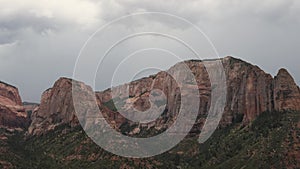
(41, 39)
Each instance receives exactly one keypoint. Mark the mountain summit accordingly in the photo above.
(250, 91)
(12, 113)
(259, 128)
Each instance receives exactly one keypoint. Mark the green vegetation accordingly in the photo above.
(257, 145)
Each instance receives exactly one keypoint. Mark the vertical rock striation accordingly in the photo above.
(286, 92)
(56, 108)
(250, 91)
(12, 113)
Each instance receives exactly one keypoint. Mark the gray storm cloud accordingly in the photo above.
(40, 40)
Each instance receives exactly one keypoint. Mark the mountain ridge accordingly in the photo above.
(259, 127)
(250, 91)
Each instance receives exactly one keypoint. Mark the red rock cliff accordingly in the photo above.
(286, 92)
(12, 113)
(56, 108)
(250, 91)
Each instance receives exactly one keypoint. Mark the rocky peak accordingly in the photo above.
(56, 107)
(12, 113)
(286, 92)
(11, 93)
(284, 75)
(250, 91)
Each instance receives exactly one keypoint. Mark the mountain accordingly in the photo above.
(13, 118)
(12, 113)
(260, 127)
(250, 91)
(56, 108)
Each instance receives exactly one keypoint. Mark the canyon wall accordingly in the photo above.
(250, 91)
(12, 113)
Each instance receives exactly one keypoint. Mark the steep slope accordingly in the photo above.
(269, 142)
(56, 108)
(286, 92)
(250, 91)
(10, 93)
(13, 118)
(12, 113)
(259, 129)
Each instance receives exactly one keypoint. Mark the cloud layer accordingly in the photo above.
(40, 39)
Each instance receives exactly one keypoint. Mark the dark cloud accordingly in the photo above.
(40, 40)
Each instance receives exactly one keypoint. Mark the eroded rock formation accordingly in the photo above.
(286, 92)
(12, 113)
(56, 108)
(250, 91)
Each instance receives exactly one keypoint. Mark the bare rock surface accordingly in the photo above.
(250, 91)
(56, 107)
(12, 113)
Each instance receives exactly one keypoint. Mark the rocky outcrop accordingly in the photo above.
(12, 113)
(56, 108)
(286, 92)
(167, 102)
(250, 91)
(11, 93)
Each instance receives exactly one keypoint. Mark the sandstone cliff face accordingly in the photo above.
(12, 113)
(10, 93)
(56, 108)
(168, 106)
(250, 91)
(286, 92)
